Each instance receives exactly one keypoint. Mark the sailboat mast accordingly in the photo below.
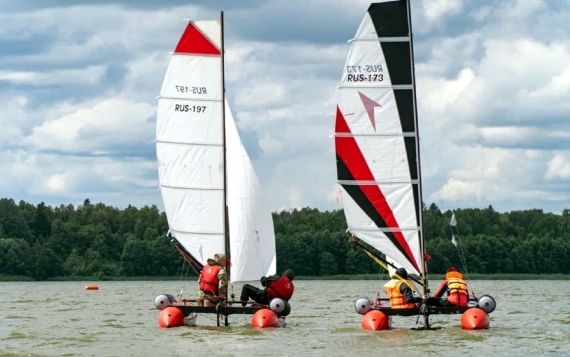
(224, 154)
(416, 123)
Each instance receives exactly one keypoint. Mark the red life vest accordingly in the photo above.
(209, 279)
(282, 288)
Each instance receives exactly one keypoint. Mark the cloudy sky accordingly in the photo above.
(79, 80)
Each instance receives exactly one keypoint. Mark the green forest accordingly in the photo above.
(99, 241)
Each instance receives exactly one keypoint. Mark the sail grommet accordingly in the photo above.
(486, 303)
(363, 305)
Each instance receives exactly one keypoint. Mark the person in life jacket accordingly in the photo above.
(456, 289)
(275, 286)
(400, 293)
(213, 282)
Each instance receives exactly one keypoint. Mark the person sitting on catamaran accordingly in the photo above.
(276, 286)
(399, 290)
(213, 282)
(456, 289)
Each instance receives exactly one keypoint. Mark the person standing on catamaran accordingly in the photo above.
(275, 287)
(213, 282)
(400, 293)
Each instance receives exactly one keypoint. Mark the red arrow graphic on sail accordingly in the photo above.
(369, 105)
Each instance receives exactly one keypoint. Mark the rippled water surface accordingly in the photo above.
(62, 319)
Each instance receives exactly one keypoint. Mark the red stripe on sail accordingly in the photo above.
(347, 149)
(195, 42)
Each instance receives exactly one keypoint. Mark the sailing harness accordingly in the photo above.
(209, 279)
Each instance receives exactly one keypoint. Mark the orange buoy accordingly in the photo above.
(171, 317)
(474, 319)
(375, 320)
(92, 287)
(264, 318)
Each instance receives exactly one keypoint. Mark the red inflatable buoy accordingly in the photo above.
(375, 320)
(92, 287)
(474, 319)
(264, 318)
(171, 317)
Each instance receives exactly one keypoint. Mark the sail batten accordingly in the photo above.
(376, 137)
(377, 182)
(382, 39)
(351, 135)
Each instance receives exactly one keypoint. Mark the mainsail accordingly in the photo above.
(193, 128)
(376, 137)
(189, 141)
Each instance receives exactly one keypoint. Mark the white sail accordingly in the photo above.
(376, 137)
(190, 148)
(189, 141)
(252, 236)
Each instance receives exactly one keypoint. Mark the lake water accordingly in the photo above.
(62, 319)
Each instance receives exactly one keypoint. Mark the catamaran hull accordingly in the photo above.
(472, 318)
(171, 317)
(475, 319)
(175, 313)
(375, 320)
(264, 318)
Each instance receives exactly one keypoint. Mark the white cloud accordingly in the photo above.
(111, 122)
(91, 75)
(56, 184)
(435, 10)
(558, 168)
(270, 146)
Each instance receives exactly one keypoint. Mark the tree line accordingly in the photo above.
(95, 240)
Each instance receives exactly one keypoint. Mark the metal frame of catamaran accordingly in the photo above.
(378, 161)
(193, 189)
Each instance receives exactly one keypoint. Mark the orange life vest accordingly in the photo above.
(458, 293)
(397, 300)
(209, 279)
(453, 274)
(282, 288)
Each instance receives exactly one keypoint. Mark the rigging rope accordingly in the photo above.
(461, 253)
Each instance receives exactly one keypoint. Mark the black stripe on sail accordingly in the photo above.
(410, 144)
(405, 104)
(398, 61)
(390, 18)
(364, 203)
